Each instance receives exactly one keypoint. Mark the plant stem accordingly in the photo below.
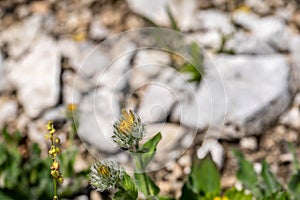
(54, 189)
(144, 175)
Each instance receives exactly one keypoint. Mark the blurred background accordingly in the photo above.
(243, 91)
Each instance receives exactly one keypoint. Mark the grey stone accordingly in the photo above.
(294, 47)
(55, 114)
(98, 110)
(170, 147)
(98, 30)
(8, 111)
(21, 36)
(246, 80)
(183, 11)
(210, 39)
(272, 30)
(242, 43)
(259, 6)
(156, 104)
(215, 20)
(36, 77)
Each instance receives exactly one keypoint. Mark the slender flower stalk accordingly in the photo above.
(72, 116)
(53, 152)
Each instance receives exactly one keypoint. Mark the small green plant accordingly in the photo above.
(128, 132)
(193, 66)
(25, 174)
(202, 183)
(265, 185)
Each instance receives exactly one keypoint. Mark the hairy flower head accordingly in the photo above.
(104, 175)
(128, 130)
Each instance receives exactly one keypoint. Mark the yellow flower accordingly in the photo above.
(127, 123)
(225, 198)
(104, 175)
(72, 107)
(103, 170)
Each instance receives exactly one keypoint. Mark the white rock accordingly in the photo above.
(213, 147)
(259, 6)
(215, 20)
(156, 104)
(98, 30)
(249, 143)
(294, 46)
(291, 118)
(156, 59)
(243, 43)
(55, 114)
(269, 29)
(36, 77)
(8, 111)
(98, 110)
(183, 11)
(257, 92)
(21, 36)
(170, 147)
(210, 39)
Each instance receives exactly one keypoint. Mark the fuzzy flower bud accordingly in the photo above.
(104, 175)
(128, 130)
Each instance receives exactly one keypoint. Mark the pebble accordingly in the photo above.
(249, 143)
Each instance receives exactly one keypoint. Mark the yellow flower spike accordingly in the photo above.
(72, 107)
(54, 173)
(57, 140)
(50, 125)
(103, 170)
(55, 165)
(57, 150)
(52, 150)
(225, 198)
(60, 180)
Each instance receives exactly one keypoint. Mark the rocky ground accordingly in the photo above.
(249, 98)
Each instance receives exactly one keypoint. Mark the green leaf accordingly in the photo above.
(271, 183)
(172, 19)
(187, 192)
(295, 159)
(149, 21)
(127, 189)
(246, 173)
(234, 194)
(67, 159)
(149, 149)
(205, 177)
(294, 184)
(195, 66)
(145, 184)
